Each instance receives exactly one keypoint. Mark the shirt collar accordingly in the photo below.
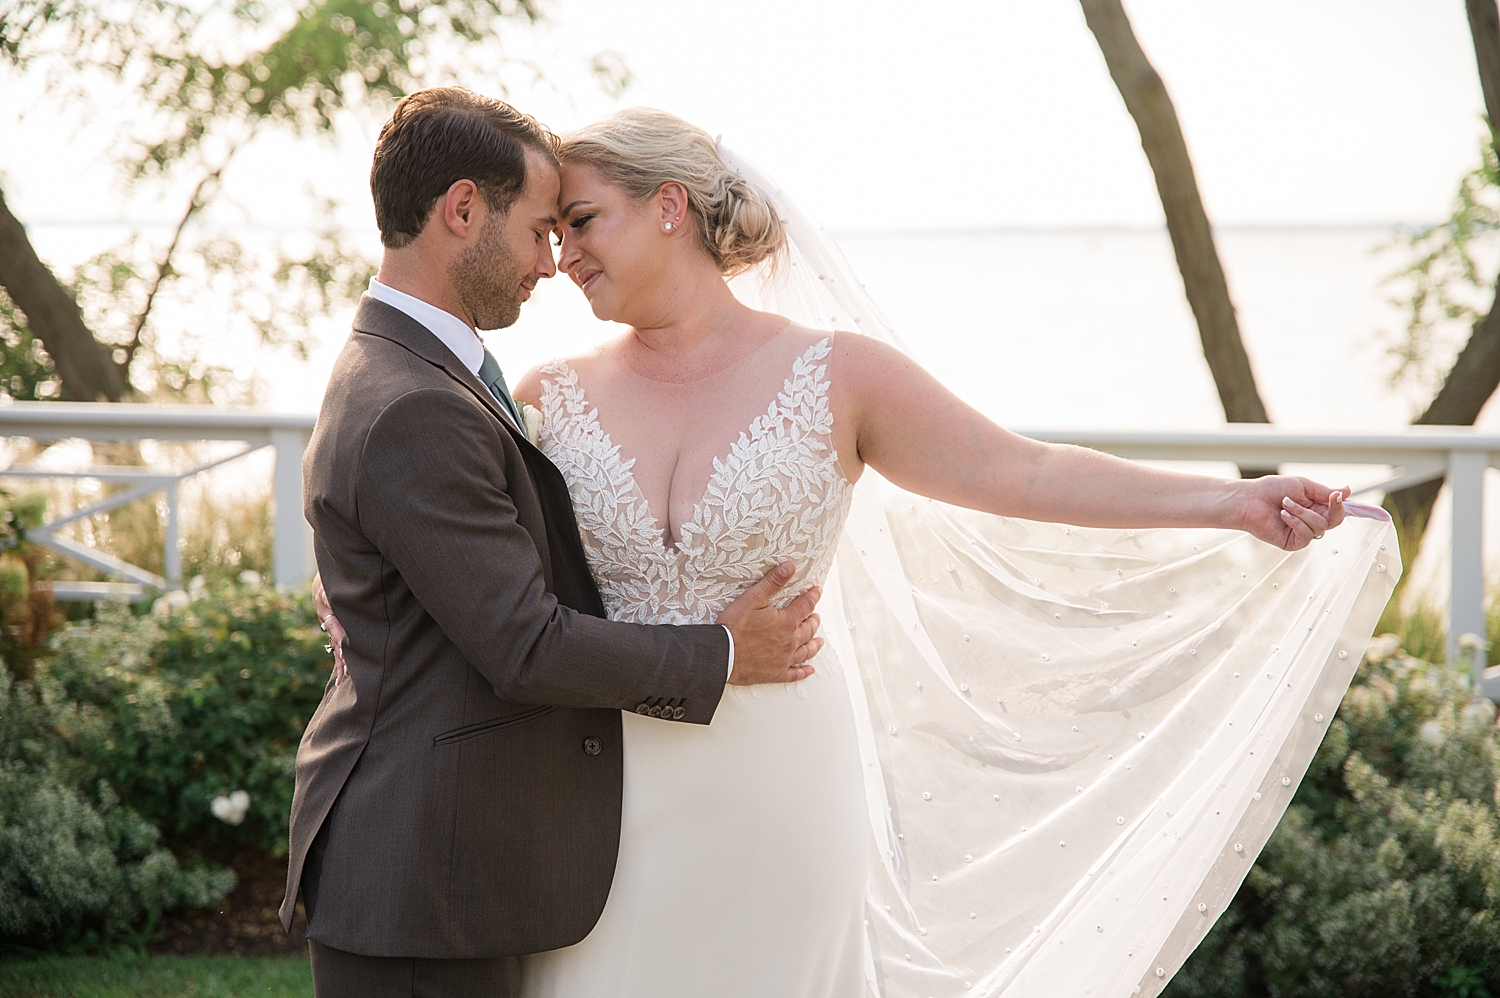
(454, 333)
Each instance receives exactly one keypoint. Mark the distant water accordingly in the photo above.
(1085, 329)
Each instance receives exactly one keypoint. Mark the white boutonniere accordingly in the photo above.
(531, 420)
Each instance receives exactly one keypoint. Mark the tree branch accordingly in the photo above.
(165, 270)
(83, 366)
(1484, 27)
(1148, 102)
(1475, 375)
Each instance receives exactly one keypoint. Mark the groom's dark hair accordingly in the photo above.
(440, 136)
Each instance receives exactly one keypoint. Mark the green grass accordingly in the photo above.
(156, 977)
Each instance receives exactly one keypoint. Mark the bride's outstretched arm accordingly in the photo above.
(922, 437)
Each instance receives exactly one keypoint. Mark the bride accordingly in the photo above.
(1034, 759)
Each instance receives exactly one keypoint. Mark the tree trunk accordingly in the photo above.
(1148, 102)
(84, 366)
(1484, 28)
(1476, 373)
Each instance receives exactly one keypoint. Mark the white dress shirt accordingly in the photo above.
(455, 334)
(459, 337)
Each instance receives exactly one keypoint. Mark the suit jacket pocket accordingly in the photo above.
(484, 727)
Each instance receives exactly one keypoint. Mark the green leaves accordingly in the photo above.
(26, 371)
(1383, 878)
(77, 868)
(186, 86)
(176, 708)
(1444, 290)
(219, 69)
(166, 712)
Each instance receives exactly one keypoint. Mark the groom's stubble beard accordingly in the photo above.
(487, 277)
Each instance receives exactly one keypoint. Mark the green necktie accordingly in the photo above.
(494, 380)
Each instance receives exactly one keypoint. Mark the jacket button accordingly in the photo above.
(592, 746)
(678, 713)
(641, 708)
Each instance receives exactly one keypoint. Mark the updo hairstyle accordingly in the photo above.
(640, 149)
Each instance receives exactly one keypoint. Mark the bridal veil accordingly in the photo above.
(1075, 741)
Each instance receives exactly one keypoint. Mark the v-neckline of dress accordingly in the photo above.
(658, 534)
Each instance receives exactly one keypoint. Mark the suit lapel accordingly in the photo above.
(376, 318)
(379, 319)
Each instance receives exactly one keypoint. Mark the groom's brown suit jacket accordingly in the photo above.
(469, 770)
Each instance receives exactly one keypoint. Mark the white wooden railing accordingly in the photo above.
(1413, 455)
(286, 433)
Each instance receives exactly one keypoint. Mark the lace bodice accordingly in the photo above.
(779, 493)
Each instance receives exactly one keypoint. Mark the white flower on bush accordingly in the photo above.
(250, 577)
(232, 809)
(1478, 715)
(177, 599)
(1382, 647)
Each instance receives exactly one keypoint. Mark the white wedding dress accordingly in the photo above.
(742, 864)
(1035, 761)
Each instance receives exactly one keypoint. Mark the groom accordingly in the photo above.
(458, 796)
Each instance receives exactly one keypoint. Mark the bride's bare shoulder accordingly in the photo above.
(800, 338)
(529, 387)
(855, 362)
(861, 358)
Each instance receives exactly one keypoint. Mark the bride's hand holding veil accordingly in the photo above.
(920, 436)
(1289, 512)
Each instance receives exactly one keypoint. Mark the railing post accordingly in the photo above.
(293, 546)
(1466, 609)
(171, 559)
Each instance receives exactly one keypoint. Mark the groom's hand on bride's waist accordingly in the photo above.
(773, 644)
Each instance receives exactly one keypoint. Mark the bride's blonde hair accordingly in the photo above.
(640, 149)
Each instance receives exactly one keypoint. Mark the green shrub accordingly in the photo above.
(194, 701)
(27, 613)
(76, 867)
(1383, 879)
(128, 730)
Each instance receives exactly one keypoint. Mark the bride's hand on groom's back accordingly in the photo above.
(772, 644)
(330, 624)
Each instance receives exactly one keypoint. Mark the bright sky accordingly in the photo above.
(985, 112)
(970, 113)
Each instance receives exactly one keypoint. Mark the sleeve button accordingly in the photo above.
(678, 713)
(592, 746)
(641, 708)
(655, 711)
